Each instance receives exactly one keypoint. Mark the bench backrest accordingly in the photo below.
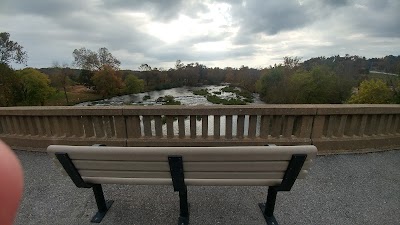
(237, 166)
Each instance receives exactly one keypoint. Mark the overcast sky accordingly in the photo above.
(256, 33)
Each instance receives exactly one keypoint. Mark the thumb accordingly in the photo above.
(11, 180)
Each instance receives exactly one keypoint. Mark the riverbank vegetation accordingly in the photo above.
(239, 97)
(335, 79)
(170, 100)
(203, 92)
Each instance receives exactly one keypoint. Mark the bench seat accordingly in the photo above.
(199, 166)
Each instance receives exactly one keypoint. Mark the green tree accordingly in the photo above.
(107, 81)
(9, 85)
(374, 91)
(35, 87)
(133, 84)
(272, 86)
(85, 78)
(318, 86)
(10, 50)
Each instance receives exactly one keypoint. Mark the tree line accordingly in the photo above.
(332, 80)
(336, 79)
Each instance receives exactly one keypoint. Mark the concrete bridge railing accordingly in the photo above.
(332, 128)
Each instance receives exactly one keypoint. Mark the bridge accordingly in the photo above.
(332, 128)
(368, 183)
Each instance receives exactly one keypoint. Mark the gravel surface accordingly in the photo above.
(340, 189)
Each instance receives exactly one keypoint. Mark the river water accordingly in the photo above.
(186, 97)
(183, 94)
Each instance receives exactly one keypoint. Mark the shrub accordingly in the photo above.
(203, 92)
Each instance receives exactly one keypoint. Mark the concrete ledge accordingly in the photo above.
(333, 128)
(213, 142)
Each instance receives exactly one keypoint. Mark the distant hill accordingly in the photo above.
(354, 65)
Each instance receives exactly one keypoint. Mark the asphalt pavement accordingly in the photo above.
(340, 189)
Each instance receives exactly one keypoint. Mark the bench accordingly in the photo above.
(275, 166)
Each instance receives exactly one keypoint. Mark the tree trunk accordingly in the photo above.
(66, 96)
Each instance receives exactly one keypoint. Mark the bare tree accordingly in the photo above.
(144, 67)
(63, 77)
(87, 59)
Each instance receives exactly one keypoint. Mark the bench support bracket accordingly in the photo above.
(178, 181)
(102, 204)
(71, 170)
(292, 171)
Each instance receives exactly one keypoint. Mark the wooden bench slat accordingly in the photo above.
(189, 182)
(188, 175)
(188, 166)
(236, 153)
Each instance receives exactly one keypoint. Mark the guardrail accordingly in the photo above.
(332, 128)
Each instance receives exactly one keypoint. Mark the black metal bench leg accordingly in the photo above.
(178, 181)
(102, 205)
(290, 176)
(268, 207)
(184, 208)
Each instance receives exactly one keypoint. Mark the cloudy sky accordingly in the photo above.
(256, 33)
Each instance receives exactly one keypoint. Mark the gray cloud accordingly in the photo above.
(383, 19)
(173, 53)
(266, 30)
(43, 7)
(161, 9)
(336, 3)
(269, 17)
(158, 9)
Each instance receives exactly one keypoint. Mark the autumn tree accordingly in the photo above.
(87, 59)
(374, 91)
(107, 81)
(35, 87)
(11, 51)
(246, 78)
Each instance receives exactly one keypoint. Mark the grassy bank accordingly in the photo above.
(76, 94)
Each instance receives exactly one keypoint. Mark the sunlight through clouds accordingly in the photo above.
(216, 21)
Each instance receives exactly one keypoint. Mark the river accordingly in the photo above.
(183, 94)
(186, 97)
